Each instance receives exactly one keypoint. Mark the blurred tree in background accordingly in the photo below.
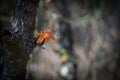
(87, 45)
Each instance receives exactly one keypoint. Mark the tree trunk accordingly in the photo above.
(20, 41)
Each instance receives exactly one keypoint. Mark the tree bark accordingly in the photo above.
(21, 41)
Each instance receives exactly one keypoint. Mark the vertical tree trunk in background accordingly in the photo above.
(21, 42)
(66, 30)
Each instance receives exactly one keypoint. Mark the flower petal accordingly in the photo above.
(46, 39)
(40, 40)
(52, 37)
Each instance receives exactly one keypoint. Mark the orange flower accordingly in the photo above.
(45, 35)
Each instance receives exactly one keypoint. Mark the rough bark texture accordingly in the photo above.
(19, 41)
